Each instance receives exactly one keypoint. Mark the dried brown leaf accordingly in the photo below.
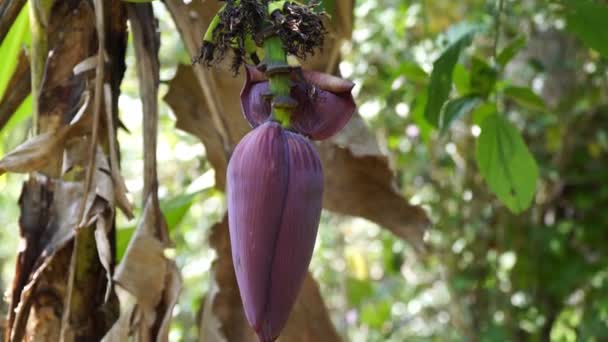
(121, 329)
(52, 204)
(147, 274)
(35, 153)
(49, 217)
(143, 268)
(147, 42)
(173, 285)
(120, 188)
(190, 20)
(38, 151)
(193, 114)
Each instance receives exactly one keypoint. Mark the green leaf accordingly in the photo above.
(413, 72)
(483, 77)
(441, 79)
(358, 290)
(176, 208)
(526, 98)
(462, 79)
(418, 117)
(457, 108)
(507, 54)
(123, 236)
(10, 48)
(328, 6)
(376, 314)
(506, 163)
(587, 20)
(482, 112)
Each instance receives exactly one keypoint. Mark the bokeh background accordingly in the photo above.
(487, 273)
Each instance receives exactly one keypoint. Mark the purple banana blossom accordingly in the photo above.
(274, 188)
(325, 103)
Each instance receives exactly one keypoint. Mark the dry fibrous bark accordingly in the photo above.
(54, 293)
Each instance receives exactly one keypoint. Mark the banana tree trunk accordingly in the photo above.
(61, 289)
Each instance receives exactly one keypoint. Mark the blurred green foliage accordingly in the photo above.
(529, 96)
(494, 119)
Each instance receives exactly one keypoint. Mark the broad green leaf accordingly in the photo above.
(587, 20)
(412, 72)
(418, 117)
(462, 79)
(358, 290)
(483, 77)
(10, 48)
(509, 51)
(457, 108)
(176, 208)
(441, 79)
(123, 236)
(506, 163)
(480, 113)
(328, 6)
(525, 97)
(376, 313)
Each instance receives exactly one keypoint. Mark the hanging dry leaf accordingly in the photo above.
(35, 153)
(147, 274)
(144, 266)
(120, 188)
(121, 329)
(45, 148)
(173, 286)
(190, 108)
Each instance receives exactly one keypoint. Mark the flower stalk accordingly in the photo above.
(278, 72)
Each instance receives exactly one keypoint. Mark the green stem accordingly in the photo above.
(214, 22)
(497, 23)
(278, 72)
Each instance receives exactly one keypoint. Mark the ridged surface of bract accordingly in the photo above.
(274, 189)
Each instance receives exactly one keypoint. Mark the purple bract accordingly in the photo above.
(274, 189)
(325, 103)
